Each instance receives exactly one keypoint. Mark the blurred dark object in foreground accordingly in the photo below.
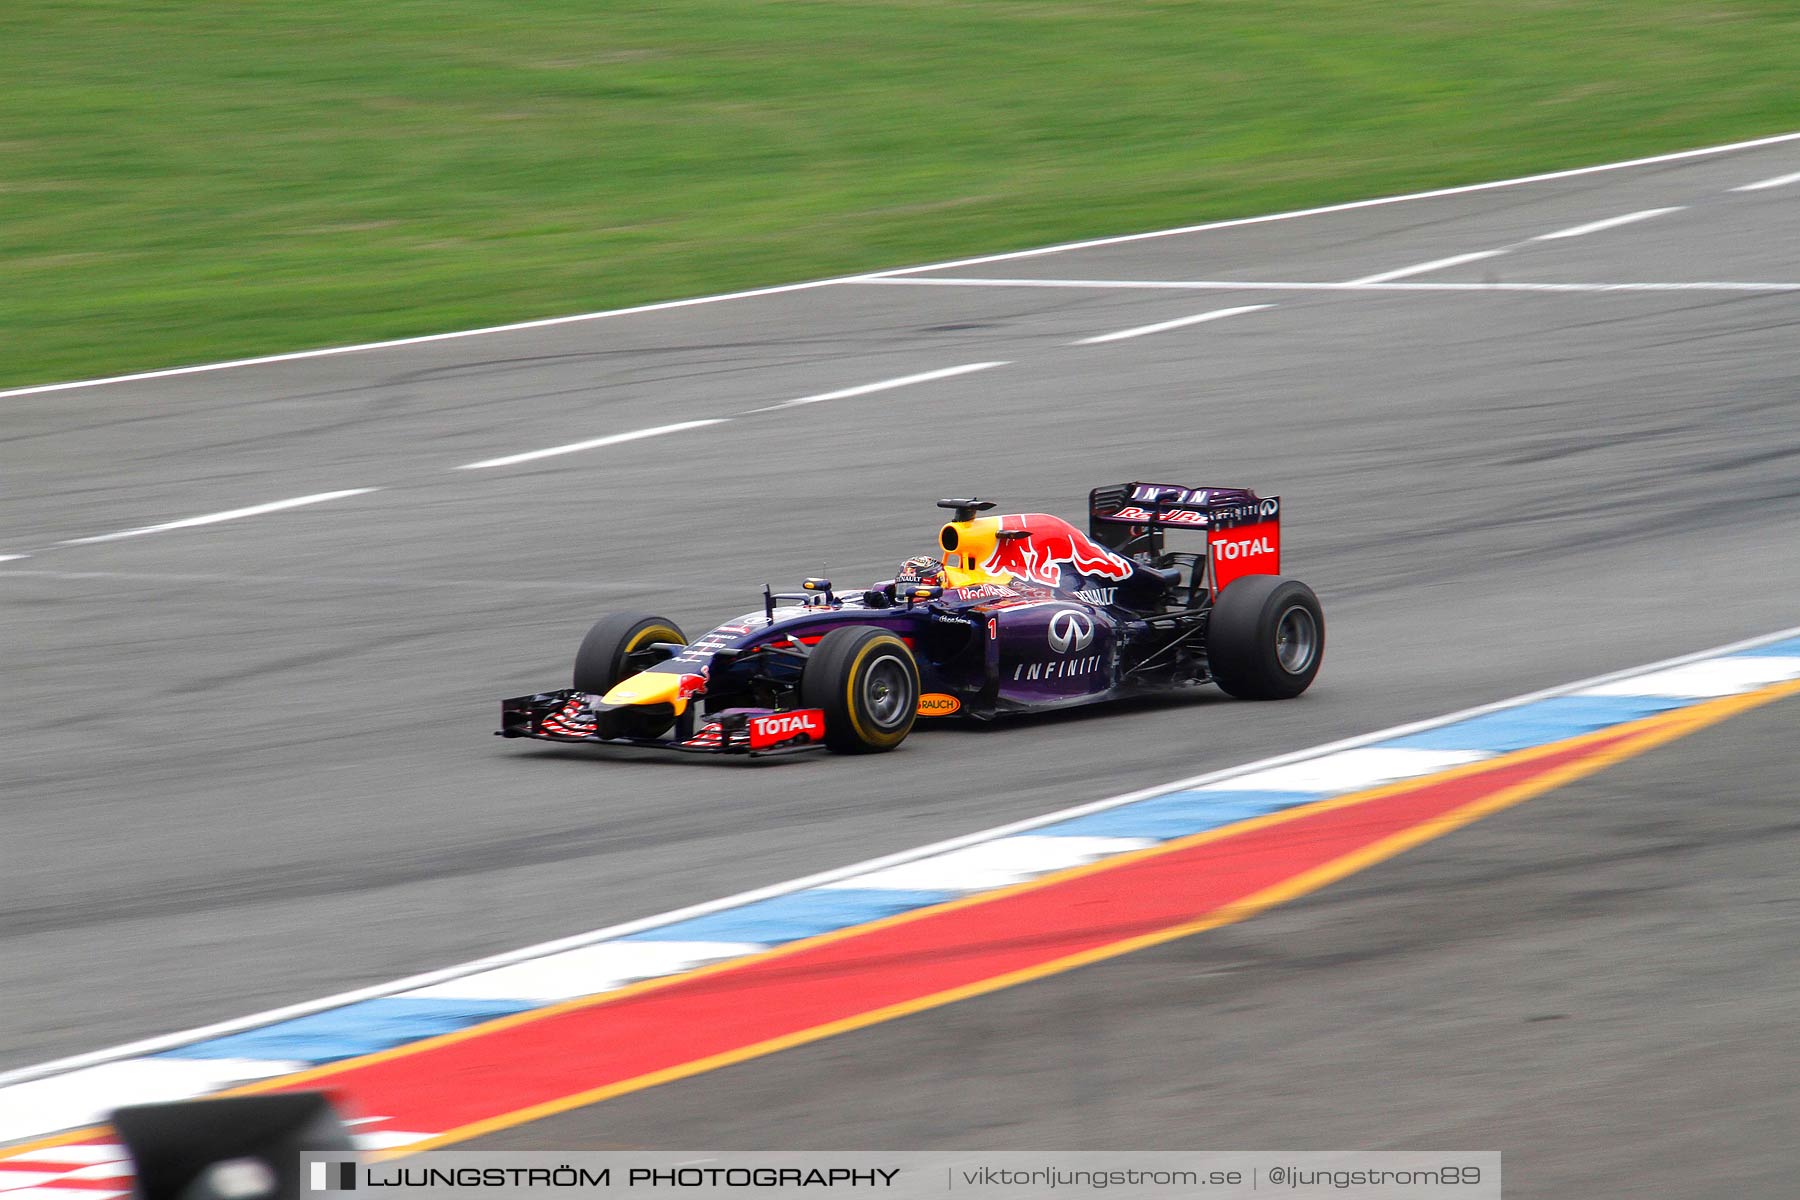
(241, 1148)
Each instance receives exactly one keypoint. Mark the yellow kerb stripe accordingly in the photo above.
(1635, 737)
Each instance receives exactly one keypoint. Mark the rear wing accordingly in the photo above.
(1243, 530)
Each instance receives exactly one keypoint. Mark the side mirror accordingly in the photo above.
(924, 592)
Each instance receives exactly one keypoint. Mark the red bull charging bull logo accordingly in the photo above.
(1051, 542)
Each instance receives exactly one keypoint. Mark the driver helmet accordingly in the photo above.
(920, 569)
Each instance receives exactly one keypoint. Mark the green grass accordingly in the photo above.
(183, 181)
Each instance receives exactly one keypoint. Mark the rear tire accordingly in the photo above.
(604, 660)
(867, 683)
(1266, 638)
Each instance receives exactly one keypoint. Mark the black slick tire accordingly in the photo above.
(605, 658)
(866, 681)
(1266, 638)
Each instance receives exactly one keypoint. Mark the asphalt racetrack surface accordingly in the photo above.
(249, 763)
(1596, 983)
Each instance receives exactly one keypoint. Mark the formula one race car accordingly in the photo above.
(1018, 614)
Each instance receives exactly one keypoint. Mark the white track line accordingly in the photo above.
(1353, 205)
(391, 343)
(548, 322)
(255, 510)
(1265, 285)
(544, 949)
(1762, 184)
(1609, 223)
(591, 444)
(13, 557)
(1436, 264)
(1177, 323)
(978, 281)
(882, 386)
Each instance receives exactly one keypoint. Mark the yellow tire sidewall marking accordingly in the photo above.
(643, 635)
(884, 641)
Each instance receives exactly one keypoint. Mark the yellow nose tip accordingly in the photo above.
(648, 687)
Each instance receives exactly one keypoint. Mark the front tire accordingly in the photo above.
(867, 683)
(612, 651)
(1266, 638)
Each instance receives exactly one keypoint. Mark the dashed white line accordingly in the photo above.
(1762, 184)
(1177, 323)
(1352, 206)
(1265, 285)
(1436, 264)
(255, 510)
(13, 557)
(981, 281)
(591, 444)
(1230, 223)
(882, 386)
(1608, 223)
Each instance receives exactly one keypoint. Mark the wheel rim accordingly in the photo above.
(887, 691)
(1296, 639)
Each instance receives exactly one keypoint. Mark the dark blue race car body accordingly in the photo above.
(1023, 613)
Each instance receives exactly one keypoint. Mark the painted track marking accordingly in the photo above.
(1119, 937)
(419, 1011)
(1539, 287)
(263, 360)
(1225, 776)
(1438, 264)
(1764, 184)
(536, 455)
(884, 385)
(1608, 223)
(781, 289)
(590, 444)
(234, 514)
(1177, 323)
(1266, 285)
(1385, 279)
(664, 1029)
(1351, 206)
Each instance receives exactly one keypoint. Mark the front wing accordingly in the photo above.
(569, 716)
